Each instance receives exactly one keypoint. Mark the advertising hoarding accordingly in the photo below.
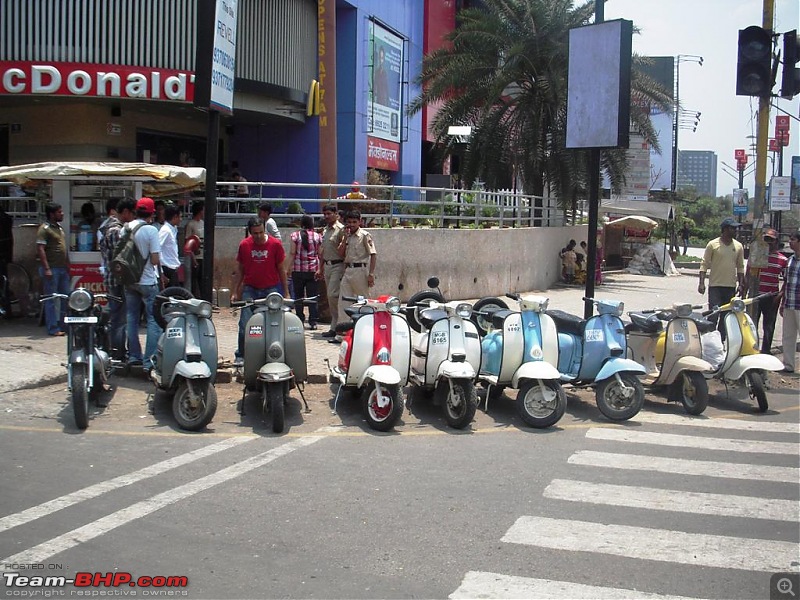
(384, 107)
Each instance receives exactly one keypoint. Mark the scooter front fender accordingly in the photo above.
(455, 370)
(534, 370)
(191, 370)
(686, 363)
(276, 371)
(383, 374)
(742, 364)
(617, 365)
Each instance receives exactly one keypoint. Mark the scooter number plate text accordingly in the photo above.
(679, 338)
(174, 332)
(439, 337)
(594, 335)
(80, 319)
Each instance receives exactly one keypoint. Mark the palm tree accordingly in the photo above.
(505, 74)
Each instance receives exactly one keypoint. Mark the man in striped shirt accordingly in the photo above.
(790, 304)
(768, 283)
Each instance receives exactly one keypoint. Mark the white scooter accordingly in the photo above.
(672, 355)
(445, 356)
(743, 359)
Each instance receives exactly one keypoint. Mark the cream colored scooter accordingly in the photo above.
(673, 356)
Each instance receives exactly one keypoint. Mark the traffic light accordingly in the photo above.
(790, 77)
(754, 66)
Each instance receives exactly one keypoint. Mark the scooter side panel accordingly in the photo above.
(513, 346)
(569, 354)
(255, 348)
(419, 351)
(294, 345)
(401, 347)
(472, 344)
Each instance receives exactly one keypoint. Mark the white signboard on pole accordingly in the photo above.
(223, 62)
(780, 193)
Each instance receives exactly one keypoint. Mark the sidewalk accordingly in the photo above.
(29, 358)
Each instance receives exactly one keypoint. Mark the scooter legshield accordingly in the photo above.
(742, 364)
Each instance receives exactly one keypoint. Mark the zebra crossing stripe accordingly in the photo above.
(480, 584)
(682, 466)
(688, 441)
(741, 425)
(728, 505)
(724, 552)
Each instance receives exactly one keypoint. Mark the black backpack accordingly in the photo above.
(128, 264)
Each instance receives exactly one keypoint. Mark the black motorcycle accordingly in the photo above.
(88, 350)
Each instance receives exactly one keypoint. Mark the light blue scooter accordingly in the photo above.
(520, 350)
(592, 353)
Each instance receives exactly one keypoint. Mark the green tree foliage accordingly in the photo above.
(504, 72)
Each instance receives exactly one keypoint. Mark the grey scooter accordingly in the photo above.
(185, 362)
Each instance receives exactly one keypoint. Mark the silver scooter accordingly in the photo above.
(185, 362)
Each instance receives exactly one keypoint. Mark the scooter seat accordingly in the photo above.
(703, 324)
(429, 316)
(644, 323)
(498, 316)
(344, 327)
(567, 323)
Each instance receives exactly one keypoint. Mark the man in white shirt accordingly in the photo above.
(271, 227)
(144, 292)
(168, 238)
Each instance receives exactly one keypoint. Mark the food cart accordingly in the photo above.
(82, 189)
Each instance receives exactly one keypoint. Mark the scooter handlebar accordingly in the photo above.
(513, 296)
(53, 296)
(350, 298)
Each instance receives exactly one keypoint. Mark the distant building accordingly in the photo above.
(698, 169)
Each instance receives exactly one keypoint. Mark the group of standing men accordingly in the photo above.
(724, 258)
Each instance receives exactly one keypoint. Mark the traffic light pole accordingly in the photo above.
(763, 128)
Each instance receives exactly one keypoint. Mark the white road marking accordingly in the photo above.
(688, 441)
(701, 421)
(682, 466)
(729, 505)
(59, 544)
(98, 489)
(642, 543)
(479, 584)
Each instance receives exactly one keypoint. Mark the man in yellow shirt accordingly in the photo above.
(724, 258)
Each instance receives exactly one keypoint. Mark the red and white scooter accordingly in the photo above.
(374, 359)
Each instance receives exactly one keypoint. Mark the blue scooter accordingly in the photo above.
(520, 350)
(592, 353)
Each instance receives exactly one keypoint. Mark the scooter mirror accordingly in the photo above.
(433, 282)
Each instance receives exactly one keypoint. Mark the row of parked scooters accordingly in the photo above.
(441, 349)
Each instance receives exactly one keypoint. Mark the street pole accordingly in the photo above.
(763, 128)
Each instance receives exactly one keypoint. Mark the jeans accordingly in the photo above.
(250, 293)
(134, 296)
(305, 286)
(57, 283)
(116, 321)
(717, 296)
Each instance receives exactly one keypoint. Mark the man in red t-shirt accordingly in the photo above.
(261, 272)
(768, 284)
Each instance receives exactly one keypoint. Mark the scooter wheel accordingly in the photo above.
(614, 402)
(543, 405)
(383, 418)
(690, 388)
(419, 298)
(459, 403)
(487, 304)
(194, 416)
(757, 389)
(80, 395)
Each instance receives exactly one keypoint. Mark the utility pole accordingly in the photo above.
(767, 22)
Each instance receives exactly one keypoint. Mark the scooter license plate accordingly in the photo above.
(679, 338)
(80, 319)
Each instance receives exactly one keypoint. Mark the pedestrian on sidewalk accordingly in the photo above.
(790, 305)
(51, 248)
(270, 226)
(360, 258)
(304, 250)
(768, 279)
(724, 258)
(260, 273)
(685, 235)
(196, 229)
(168, 238)
(331, 265)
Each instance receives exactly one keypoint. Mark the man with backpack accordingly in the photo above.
(145, 289)
(119, 213)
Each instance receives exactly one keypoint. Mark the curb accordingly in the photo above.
(43, 381)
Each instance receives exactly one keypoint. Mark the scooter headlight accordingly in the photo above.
(275, 351)
(464, 310)
(204, 310)
(737, 305)
(274, 301)
(80, 300)
(393, 305)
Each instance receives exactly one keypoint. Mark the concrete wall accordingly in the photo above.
(468, 262)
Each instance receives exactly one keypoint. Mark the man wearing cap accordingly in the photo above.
(724, 258)
(790, 305)
(768, 284)
(145, 291)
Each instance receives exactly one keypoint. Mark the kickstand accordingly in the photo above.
(300, 387)
(241, 406)
(336, 400)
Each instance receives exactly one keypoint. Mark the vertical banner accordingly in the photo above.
(662, 70)
(326, 59)
(740, 202)
(215, 61)
(385, 90)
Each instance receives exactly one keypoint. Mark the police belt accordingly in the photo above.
(355, 264)
(333, 262)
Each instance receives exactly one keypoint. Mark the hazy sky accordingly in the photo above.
(710, 28)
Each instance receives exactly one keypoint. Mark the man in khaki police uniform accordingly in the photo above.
(359, 261)
(331, 267)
